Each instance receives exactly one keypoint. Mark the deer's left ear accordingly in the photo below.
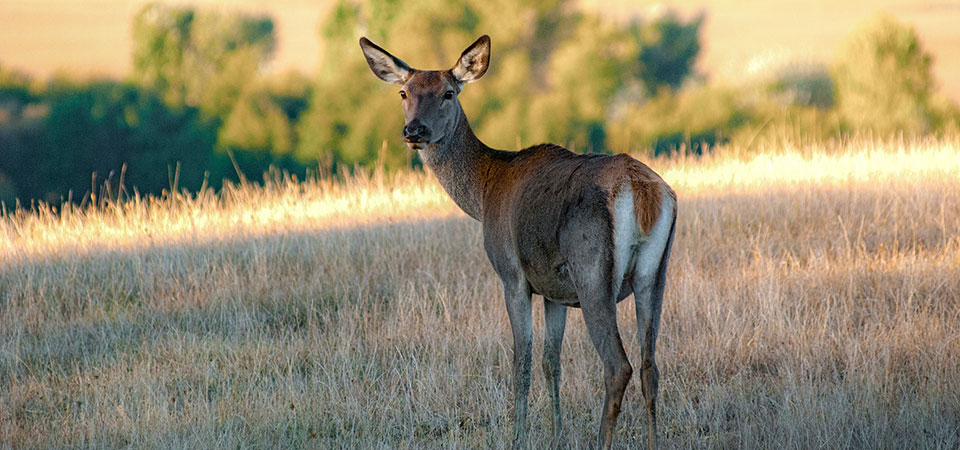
(385, 66)
(473, 62)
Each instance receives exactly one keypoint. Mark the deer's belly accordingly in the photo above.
(559, 288)
(548, 273)
(553, 282)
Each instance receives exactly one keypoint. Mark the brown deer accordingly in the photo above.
(581, 230)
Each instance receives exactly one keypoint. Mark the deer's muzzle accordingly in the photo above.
(415, 132)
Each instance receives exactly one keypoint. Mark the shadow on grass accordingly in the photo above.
(81, 310)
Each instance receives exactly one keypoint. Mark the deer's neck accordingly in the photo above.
(463, 165)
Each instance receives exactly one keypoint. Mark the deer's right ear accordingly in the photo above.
(473, 62)
(385, 66)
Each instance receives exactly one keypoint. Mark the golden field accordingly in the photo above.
(813, 301)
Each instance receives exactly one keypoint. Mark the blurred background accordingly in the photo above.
(113, 97)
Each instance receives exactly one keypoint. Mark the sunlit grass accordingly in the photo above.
(366, 198)
(813, 301)
(859, 163)
(282, 204)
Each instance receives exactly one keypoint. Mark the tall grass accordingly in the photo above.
(813, 301)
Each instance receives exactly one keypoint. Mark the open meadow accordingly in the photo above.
(813, 301)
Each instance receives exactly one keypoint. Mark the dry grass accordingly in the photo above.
(813, 301)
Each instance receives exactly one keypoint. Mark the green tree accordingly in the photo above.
(556, 72)
(584, 74)
(19, 130)
(211, 60)
(15, 88)
(261, 129)
(201, 59)
(98, 127)
(694, 117)
(669, 49)
(883, 79)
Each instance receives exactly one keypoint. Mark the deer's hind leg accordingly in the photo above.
(649, 281)
(600, 316)
(648, 320)
(587, 246)
(598, 303)
(555, 319)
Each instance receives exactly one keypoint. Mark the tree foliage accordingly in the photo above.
(694, 118)
(211, 60)
(669, 48)
(198, 97)
(87, 132)
(883, 79)
(197, 58)
(261, 129)
(555, 74)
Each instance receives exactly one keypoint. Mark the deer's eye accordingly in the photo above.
(448, 95)
(403, 95)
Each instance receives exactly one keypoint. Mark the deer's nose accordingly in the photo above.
(415, 132)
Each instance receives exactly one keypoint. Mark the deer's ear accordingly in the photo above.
(473, 62)
(385, 66)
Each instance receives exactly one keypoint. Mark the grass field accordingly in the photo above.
(813, 301)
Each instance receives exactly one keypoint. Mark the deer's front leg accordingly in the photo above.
(516, 292)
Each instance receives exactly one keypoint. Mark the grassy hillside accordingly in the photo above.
(813, 301)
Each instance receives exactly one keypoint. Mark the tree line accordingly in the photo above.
(199, 108)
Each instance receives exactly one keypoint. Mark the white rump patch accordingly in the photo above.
(648, 261)
(650, 254)
(625, 232)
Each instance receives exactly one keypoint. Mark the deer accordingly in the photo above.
(581, 230)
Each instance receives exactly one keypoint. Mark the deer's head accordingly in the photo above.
(429, 97)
